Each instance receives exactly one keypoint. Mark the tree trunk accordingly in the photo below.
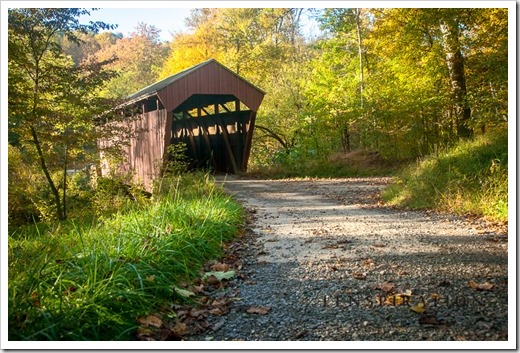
(357, 13)
(455, 64)
(64, 203)
(43, 164)
(346, 139)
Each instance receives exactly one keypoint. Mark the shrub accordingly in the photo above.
(27, 190)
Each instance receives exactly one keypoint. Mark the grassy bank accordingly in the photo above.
(470, 178)
(90, 281)
(357, 163)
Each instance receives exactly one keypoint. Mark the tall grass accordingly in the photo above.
(469, 178)
(90, 281)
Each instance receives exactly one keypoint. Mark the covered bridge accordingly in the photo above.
(207, 107)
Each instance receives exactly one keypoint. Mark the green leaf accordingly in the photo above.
(220, 275)
(183, 292)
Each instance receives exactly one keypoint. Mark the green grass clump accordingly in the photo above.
(469, 178)
(91, 281)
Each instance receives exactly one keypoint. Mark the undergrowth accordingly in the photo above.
(469, 178)
(357, 163)
(91, 280)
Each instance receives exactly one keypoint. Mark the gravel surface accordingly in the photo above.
(323, 260)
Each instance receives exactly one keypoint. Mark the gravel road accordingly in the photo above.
(323, 260)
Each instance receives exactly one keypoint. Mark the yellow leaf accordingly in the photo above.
(419, 308)
(480, 286)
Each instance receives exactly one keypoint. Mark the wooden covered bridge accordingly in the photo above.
(207, 107)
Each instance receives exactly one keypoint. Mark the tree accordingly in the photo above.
(52, 101)
(450, 27)
(337, 91)
(486, 59)
(139, 58)
(90, 44)
(187, 50)
(423, 77)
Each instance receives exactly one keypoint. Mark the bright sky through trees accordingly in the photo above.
(168, 20)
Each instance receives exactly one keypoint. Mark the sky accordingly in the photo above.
(169, 20)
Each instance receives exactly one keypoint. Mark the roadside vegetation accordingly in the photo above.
(470, 178)
(91, 279)
(358, 163)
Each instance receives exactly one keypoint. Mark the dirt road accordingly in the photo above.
(325, 262)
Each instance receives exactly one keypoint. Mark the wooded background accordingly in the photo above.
(400, 82)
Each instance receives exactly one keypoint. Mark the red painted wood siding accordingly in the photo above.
(210, 79)
(145, 152)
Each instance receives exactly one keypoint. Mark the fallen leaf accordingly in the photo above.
(387, 287)
(198, 314)
(219, 275)
(216, 311)
(359, 275)
(419, 308)
(221, 302)
(183, 292)
(180, 329)
(260, 310)
(481, 286)
(211, 279)
(220, 267)
(369, 262)
(203, 300)
(198, 289)
(150, 320)
(145, 334)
